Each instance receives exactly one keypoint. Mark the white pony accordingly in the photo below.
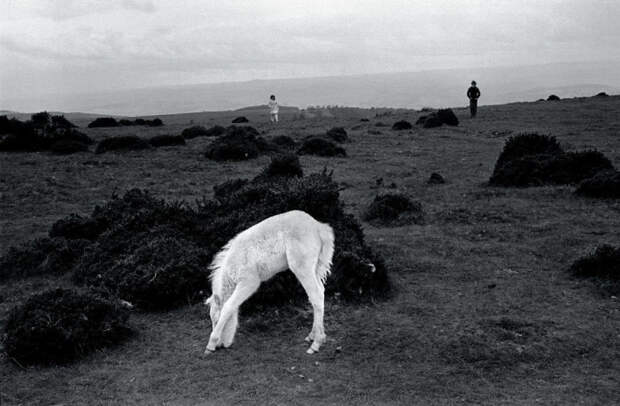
(292, 240)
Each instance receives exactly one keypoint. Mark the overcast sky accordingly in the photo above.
(83, 45)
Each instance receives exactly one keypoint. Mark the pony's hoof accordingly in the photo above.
(309, 338)
(209, 350)
(310, 351)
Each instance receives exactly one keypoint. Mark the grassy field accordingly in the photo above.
(483, 310)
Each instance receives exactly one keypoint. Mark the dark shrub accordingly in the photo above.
(65, 147)
(541, 169)
(352, 276)
(435, 179)
(60, 325)
(156, 122)
(239, 143)
(41, 120)
(215, 131)
(165, 140)
(241, 119)
(394, 209)
(447, 116)
(195, 131)
(438, 118)
(602, 94)
(70, 134)
(284, 141)
(573, 167)
(75, 227)
(62, 122)
(527, 144)
(122, 143)
(603, 265)
(19, 136)
(154, 270)
(432, 121)
(529, 170)
(103, 122)
(321, 147)
(402, 125)
(125, 122)
(605, 184)
(41, 256)
(553, 98)
(364, 119)
(284, 165)
(337, 134)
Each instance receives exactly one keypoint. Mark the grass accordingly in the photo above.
(484, 254)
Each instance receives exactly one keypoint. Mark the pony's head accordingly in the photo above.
(215, 308)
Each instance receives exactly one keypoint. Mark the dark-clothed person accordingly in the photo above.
(473, 93)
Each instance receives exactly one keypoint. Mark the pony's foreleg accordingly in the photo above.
(228, 335)
(244, 289)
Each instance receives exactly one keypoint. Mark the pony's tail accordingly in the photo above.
(326, 235)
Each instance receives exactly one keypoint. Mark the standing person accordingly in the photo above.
(273, 109)
(473, 93)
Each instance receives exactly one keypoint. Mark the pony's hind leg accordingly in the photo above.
(304, 269)
(244, 289)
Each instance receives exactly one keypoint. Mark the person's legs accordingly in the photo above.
(473, 107)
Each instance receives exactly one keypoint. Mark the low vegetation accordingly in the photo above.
(394, 210)
(112, 122)
(534, 160)
(601, 266)
(60, 325)
(122, 143)
(321, 147)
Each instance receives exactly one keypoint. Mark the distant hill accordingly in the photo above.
(435, 88)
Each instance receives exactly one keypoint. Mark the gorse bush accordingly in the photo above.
(533, 160)
(200, 131)
(284, 165)
(528, 144)
(239, 143)
(239, 120)
(59, 326)
(402, 125)
(111, 122)
(394, 209)
(166, 140)
(438, 118)
(321, 147)
(41, 256)
(605, 184)
(553, 97)
(53, 133)
(283, 141)
(602, 266)
(447, 117)
(103, 122)
(338, 134)
(122, 143)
